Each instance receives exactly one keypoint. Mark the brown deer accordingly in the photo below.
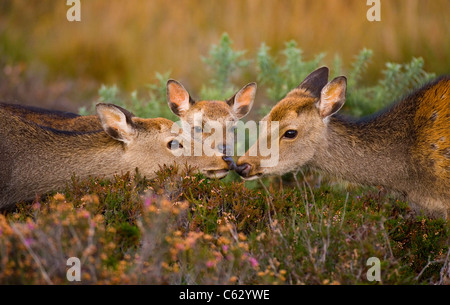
(59, 120)
(205, 116)
(36, 159)
(405, 148)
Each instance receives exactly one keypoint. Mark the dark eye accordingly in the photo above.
(198, 129)
(290, 134)
(174, 144)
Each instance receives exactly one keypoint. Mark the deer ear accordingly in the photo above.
(332, 97)
(178, 98)
(117, 122)
(315, 81)
(242, 101)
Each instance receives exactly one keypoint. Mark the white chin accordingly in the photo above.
(251, 178)
(218, 174)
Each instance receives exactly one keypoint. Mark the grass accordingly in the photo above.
(181, 228)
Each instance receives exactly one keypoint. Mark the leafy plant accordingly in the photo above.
(223, 62)
(280, 78)
(154, 106)
(398, 80)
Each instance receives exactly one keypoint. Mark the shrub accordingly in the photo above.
(182, 228)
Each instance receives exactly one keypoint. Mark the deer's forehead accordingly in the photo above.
(291, 106)
(156, 124)
(212, 111)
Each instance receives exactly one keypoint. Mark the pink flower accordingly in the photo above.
(28, 241)
(147, 202)
(253, 262)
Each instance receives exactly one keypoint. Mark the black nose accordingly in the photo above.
(230, 162)
(243, 169)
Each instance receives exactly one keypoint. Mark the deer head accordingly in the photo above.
(211, 118)
(302, 118)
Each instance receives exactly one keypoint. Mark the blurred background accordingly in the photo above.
(48, 61)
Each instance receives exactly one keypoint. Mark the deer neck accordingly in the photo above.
(96, 154)
(370, 151)
(83, 155)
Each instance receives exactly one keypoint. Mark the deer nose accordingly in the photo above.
(230, 162)
(243, 169)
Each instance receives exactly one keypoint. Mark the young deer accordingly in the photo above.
(59, 120)
(36, 159)
(205, 116)
(405, 148)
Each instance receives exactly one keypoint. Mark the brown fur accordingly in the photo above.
(404, 148)
(36, 159)
(54, 119)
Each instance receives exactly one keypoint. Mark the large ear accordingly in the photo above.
(116, 121)
(332, 97)
(315, 81)
(242, 101)
(178, 98)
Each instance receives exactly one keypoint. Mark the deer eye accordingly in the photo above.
(174, 144)
(290, 134)
(198, 129)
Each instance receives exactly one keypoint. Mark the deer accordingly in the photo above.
(38, 159)
(404, 148)
(204, 116)
(60, 120)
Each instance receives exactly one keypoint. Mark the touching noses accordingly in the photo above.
(243, 170)
(228, 152)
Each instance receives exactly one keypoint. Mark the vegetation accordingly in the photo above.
(185, 229)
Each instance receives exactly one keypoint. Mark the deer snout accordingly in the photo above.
(230, 162)
(243, 170)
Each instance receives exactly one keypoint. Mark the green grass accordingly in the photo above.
(182, 228)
